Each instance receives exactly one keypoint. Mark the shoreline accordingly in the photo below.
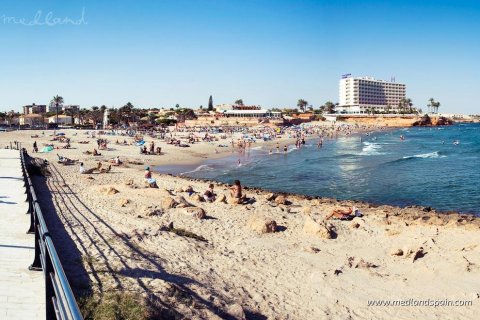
(203, 153)
(182, 170)
(340, 201)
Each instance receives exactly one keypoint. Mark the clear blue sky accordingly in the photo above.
(159, 53)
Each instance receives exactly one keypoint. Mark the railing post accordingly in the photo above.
(36, 264)
(49, 291)
(31, 210)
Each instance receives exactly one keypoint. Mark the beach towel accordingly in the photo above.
(47, 149)
(140, 143)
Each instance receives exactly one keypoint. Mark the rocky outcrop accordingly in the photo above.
(281, 200)
(182, 202)
(195, 212)
(198, 198)
(123, 202)
(261, 224)
(109, 191)
(424, 121)
(221, 198)
(323, 229)
(433, 121)
(442, 121)
(168, 203)
(150, 211)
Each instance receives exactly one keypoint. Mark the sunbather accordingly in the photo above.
(344, 214)
(209, 195)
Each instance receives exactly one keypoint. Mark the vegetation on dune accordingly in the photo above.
(114, 306)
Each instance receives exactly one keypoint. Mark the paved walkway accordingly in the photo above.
(22, 292)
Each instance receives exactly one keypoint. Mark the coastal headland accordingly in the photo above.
(139, 252)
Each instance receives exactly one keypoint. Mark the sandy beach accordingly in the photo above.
(222, 260)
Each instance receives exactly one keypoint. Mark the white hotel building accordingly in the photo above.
(358, 94)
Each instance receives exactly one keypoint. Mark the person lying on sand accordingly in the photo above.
(115, 161)
(209, 195)
(91, 170)
(189, 190)
(107, 170)
(344, 214)
(65, 160)
(96, 153)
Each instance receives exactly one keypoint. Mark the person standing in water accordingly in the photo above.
(320, 143)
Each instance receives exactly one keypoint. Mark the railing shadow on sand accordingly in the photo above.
(78, 217)
(60, 302)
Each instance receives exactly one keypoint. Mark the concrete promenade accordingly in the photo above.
(22, 292)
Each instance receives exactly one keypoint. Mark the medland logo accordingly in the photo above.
(44, 19)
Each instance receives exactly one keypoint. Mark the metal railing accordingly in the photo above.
(60, 302)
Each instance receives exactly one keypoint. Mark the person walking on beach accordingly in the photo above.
(35, 147)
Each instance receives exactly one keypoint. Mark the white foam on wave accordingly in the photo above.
(370, 149)
(430, 155)
(202, 167)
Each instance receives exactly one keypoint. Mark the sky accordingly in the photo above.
(268, 53)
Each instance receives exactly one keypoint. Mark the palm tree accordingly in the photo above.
(239, 102)
(431, 104)
(388, 109)
(401, 106)
(126, 111)
(329, 107)
(57, 101)
(302, 104)
(408, 104)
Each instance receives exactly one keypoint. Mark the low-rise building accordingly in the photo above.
(62, 119)
(223, 107)
(31, 120)
(255, 113)
(71, 107)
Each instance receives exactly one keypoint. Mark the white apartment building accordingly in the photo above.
(359, 94)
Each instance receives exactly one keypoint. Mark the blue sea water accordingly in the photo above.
(426, 168)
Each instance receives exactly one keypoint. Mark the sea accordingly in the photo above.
(436, 167)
